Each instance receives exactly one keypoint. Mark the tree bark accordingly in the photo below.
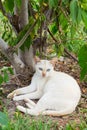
(23, 61)
(27, 55)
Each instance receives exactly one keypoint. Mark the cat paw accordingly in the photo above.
(18, 98)
(14, 93)
(11, 95)
(15, 98)
(20, 108)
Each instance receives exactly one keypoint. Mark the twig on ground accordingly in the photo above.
(84, 95)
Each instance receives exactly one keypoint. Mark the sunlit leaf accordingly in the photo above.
(9, 5)
(73, 31)
(63, 21)
(1, 79)
(74, 10)
(84, 17)
(3, 119)
(6, 76)
(54, 29)
(82, 57)
(18, 3)
(79, 17)
(10, 70)
(83, 72)
(68, 127)
(53, 3)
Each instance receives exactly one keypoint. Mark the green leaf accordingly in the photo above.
(5, 68)
(73, 31)
(83, 72)
(68, 127)
(82, 57)
(84, 17)
(10, 70)
(9, 5)
(6, 76)
(59, 49)
(85, 30)
(84, 5)
(79, 17)
(1, 79)
(27, 43)
(53, 3)
(3, 119)
(63, 21)
(85, 129)
(74, 10)
(18, 3)
(54, 29)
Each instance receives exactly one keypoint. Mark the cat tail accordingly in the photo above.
(58, 113)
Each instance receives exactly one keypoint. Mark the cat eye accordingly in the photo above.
(48, 70)
(40, 69)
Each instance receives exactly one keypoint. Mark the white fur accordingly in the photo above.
(58, 93)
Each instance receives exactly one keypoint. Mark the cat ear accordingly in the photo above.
(53, 61)
(36, 59)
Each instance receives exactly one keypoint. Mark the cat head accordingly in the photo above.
(44, 68)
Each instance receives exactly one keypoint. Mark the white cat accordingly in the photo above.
(58, 93)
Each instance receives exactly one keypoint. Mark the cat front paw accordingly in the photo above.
(15, 98)
(13, 94)
(18, 98)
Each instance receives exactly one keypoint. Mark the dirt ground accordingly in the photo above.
(67, 65)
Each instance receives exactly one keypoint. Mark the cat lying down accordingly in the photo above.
(58, 93)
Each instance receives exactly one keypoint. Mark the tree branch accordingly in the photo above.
(23, 18)
(9, 53)
(25, 36)
(59, 42)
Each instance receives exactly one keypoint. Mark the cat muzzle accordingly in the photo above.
(43, 74)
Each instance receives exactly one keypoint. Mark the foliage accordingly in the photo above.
(83, 61)
(28, 41)
(9, 5)
(3, 121)
(68, 24)
(4, 74)
(7, 32)
(21, 122)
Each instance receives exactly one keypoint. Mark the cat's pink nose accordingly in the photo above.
(43, 74)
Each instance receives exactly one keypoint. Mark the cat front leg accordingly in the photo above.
(33, 112)
(27, 100)
(34, 95)
(20, 91)
(29, 103)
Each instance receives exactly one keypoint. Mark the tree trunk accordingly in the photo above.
(27, 55)
(23, 63)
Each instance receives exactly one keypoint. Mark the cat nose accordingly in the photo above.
(43, 73)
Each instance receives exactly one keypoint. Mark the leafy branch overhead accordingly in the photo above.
(31, 23)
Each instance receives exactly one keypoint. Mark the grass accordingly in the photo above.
(26, 122)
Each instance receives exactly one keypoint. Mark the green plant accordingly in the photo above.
(4, 74)
(82, 57)
(6, 30)
(26, 122)
(4, 121)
